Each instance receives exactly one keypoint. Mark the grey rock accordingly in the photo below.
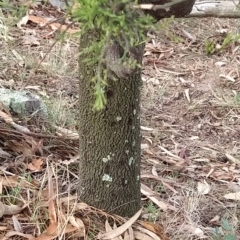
(58, 4)
(23, 103)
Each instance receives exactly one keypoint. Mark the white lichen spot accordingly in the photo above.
(127, 151)
(130, 161)
(107, 178)
(134, 111)
(133, 127)
(118, 118)
(138, 178)
(126, 182)
(126, 141)
(106, 159)
(134, 143)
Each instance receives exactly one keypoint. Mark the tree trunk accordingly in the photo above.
(109, 140)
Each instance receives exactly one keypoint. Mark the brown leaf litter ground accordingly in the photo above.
(190, 127)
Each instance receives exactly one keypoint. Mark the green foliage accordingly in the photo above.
(165, 24)
(237, 97)
(114, 20)
(224, 232)
(212, 47)
(101, 100)
(229, 39)
(209, 46)
(13, 195)
(92, 234)
(152, 211)
(17, 11)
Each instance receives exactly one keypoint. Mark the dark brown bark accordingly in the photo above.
(180, 9)
(110, 141)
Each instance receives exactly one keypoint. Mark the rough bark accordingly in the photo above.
(110, 141)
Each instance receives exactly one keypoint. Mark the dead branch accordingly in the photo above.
(220, 9)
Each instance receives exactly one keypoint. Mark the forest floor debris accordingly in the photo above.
(190, 127)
